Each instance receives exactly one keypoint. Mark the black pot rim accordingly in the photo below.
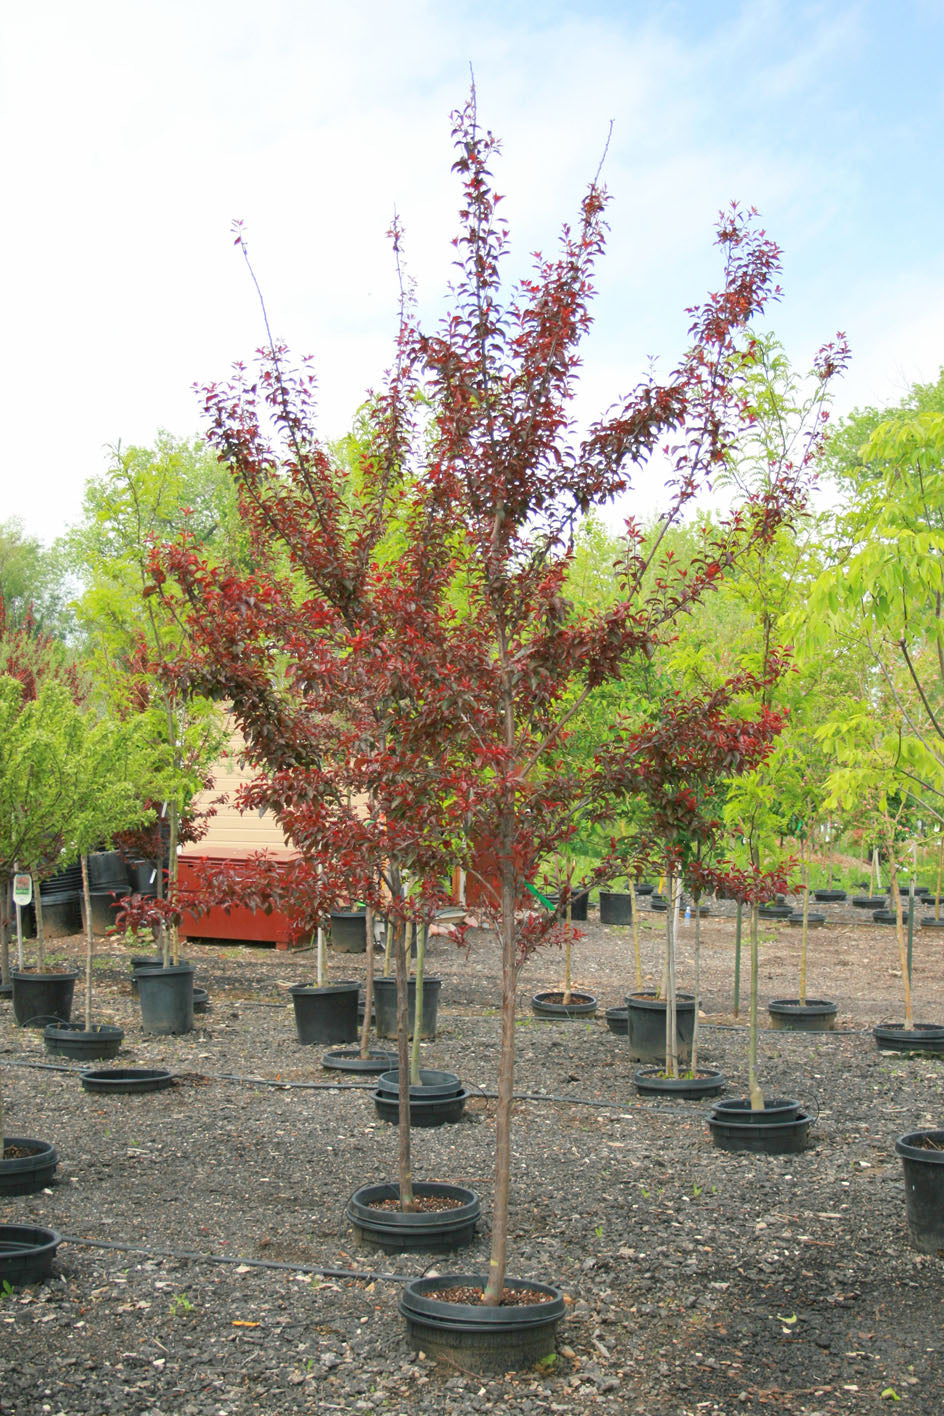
(51, 976)
(475, 1317)
(684, 1002)
(359, 1206)
(126, 1081)
(778, 1112)
(324, 990)
(582, 1005)
(26, 1252)
(899, 1030)
(40, 1153)
(349, 1059)
(172, 971)
(438, 1085)
(707, 1082)
(99, 1030)
(907, 1146)
(824, 1006)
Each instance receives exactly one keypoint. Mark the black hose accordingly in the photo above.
(194, 1257)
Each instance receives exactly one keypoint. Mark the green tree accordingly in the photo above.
(146, 496)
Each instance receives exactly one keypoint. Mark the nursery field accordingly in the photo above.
(209, 1270)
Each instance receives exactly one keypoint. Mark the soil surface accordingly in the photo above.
(207, 1269)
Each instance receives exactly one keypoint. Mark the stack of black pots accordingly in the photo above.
(61, 898)
(109, 882)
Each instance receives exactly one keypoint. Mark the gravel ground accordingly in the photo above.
(697, 1281)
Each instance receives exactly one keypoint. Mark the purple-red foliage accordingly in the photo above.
(404, 681)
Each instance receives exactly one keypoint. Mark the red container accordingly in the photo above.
(246, 925)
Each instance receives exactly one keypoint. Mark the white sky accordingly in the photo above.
(136, 130)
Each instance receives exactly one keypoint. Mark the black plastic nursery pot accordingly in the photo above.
(578, 905)
(922, 1156)
(924, 1038)
(26, 1165)
(775, 911)
(41, 998)
(779, 1128)
(432, 1083)
(814, 920)
(616, 907)
(617, 1020)
(472, 1337)
(327, 1014)
(373, 1212)
(552, 1005)
(349, 931)
(126, 1081)
(26, 1253)
(349, 1059)
(827, 897)
(869, 902)
(107, 871)
(645, 1016)
(650, 1081)
(62, 915)
(424, 1110)
(166, 998)
(104, 904)
(815, 1015)
(97, 1043)
(385, 1006)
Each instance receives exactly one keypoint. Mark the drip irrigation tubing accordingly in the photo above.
(193, 1256)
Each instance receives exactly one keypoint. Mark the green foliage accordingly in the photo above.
(32, 581)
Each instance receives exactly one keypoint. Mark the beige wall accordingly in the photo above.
(229, 827)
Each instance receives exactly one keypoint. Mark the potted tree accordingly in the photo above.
(459, 614)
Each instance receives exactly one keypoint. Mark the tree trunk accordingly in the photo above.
(671, 1016)
(805, 926)
(695, 1027)
(568, 957)
(89, 942)
(407, 1201)
(506, 1075)
(172, 873)
(756, 1095)
(4, 930)
(368, 982)
(40, 926)
(738, 931)
(637, 955)
(418, 1002)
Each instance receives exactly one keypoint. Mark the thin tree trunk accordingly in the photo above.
(89, 942)
(4, 930)
(756, 1095)
(407, 1201)
(637, 956)
(738, 930)
(899, 924)
(418, 1003)
(368, 983)
(695, 1027)
(805, 926)
(320, 957)
(671, 1016)
(506, 1073)
(940, 877)
(172, 872)
(568, 958)
(40, 926)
